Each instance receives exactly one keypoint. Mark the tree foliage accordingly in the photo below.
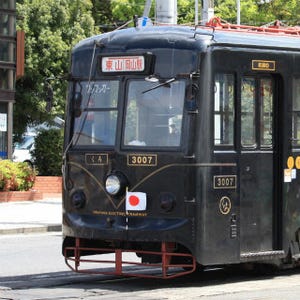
(51, 28)
(47, 152)
(257, 12)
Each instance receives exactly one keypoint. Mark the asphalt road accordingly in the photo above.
(32, 268)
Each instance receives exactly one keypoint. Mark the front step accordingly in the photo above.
(263, 255)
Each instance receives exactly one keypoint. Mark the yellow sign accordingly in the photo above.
(297, 162)
(148, 160)
(263, 65)
(290, 162)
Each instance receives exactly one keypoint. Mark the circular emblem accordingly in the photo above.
(297, 162)
(225, 205)
(290, 162)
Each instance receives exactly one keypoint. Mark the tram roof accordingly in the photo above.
(191, 38)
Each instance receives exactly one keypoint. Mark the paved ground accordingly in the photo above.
(31, 216)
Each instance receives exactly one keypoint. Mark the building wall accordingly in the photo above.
(7, 74)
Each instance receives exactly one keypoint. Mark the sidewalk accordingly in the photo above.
(31, 216)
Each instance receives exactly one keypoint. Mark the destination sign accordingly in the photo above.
(116, 64)
(263, 65)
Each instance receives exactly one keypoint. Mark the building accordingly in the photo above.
(11, 67)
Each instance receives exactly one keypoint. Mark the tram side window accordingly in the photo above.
(248, 134)
(266, 119)
(224, 109)
(296, 112)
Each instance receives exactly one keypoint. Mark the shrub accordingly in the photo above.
(16, 176)
(47, 154)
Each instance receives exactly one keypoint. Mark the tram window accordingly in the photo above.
(248, 134)
(96, 125)
(154, 118)
(224, 109)
(296, 112)
(266, 109)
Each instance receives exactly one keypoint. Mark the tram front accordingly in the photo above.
(128, 186)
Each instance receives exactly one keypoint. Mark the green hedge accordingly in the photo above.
(47, 154)
(16, 176)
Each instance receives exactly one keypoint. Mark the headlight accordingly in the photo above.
(113, 184)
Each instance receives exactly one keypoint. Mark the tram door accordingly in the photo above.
(258, 163)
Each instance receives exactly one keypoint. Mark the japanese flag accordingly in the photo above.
(136, 201)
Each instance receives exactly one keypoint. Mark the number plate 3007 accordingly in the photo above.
(225, 182)
(142, 160)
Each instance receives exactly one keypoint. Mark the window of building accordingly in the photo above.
(7, 79)
(8, 4)
(7, 51)
(7, 24)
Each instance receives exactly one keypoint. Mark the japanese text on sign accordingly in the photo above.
(123, 64)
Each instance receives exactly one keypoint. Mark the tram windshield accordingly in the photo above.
(154, 117)
(96, 117)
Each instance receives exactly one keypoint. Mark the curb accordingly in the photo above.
(37, 229)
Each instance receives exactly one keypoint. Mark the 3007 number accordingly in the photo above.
(142, 160)
(225, 182)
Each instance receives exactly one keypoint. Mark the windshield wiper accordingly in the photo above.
(160, 84)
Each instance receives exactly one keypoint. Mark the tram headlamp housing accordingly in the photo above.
(78, 199)
(113, 184)
(167, 202)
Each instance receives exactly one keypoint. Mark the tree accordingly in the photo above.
(102, 14)
(51, 28)
(256, 12)
(47, 152)
(124, 10)
(185, 11)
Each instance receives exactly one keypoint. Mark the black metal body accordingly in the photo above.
(231, 203)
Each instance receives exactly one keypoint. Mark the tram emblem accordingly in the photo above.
(225, 205)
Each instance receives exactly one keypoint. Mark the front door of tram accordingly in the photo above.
(258, 163)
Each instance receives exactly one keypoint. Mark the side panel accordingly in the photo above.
(217, 188)
(291, 165)
(249, 132)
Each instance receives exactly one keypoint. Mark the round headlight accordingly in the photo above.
(112, 184)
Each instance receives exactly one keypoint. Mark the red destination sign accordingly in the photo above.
(123, 64)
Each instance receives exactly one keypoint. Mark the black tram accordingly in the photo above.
(182, 146)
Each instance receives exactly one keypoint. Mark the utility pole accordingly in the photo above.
(166, 11)
(207, 10)
(196, 12)
(238, 12)
(147, 8)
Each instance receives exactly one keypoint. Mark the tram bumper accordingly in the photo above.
(161, 246)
